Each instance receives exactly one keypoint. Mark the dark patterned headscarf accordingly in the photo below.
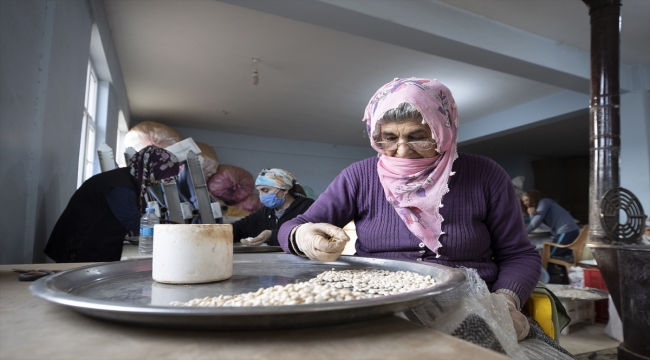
(151, 165)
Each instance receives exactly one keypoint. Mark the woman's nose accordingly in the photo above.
(402, 150)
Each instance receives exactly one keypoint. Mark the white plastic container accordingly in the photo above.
(192, 253)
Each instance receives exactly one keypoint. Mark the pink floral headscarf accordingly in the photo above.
(417, 194)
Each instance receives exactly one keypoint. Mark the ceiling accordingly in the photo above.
(189, 63)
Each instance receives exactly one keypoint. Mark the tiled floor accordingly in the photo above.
(607, 354)
(587, 338)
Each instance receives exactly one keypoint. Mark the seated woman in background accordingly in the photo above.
(396, 199)
(106, 207)
(563, 227)
(283, 199)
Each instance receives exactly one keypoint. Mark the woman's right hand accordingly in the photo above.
(321, 241)
(260, 239)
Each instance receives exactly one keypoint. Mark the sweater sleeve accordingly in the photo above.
(248, 226)
(336, 206)
(302, 205)
(518, 262)
(123, 204)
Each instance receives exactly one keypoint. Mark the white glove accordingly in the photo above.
(260, 239)
(519, 320)
(321, 241)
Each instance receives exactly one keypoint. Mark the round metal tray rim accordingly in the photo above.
(67, 288)
(43, 289)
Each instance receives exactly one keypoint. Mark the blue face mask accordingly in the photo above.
(271, 200)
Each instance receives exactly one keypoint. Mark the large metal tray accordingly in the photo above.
(124, 291)
(132, 253)
(241, 248)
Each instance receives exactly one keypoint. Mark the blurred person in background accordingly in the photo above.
(543, 210)
(106, 207)
(283, 199)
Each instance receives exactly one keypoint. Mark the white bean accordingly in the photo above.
(329, 286)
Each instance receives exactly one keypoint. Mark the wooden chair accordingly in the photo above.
(577, 246)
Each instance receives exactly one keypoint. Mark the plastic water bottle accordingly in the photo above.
(148, 220)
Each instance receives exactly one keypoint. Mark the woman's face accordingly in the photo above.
(263, 190)
(405, 132)
(526, 200)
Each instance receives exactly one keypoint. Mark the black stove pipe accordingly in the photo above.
(625, 268)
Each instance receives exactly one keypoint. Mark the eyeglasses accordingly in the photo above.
(413, 145)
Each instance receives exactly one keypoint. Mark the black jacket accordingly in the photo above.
(264, 219)
(88, 231)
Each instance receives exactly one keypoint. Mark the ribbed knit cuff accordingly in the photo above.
(511, 293)
(292, 242)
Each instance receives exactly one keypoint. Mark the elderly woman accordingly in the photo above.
(283, 199)
(106, 207)
(421, 200)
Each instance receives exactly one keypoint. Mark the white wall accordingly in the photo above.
(44, 47)
(313, 164)
(44, 51)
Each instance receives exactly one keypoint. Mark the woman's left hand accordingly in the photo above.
(260, 239)
(532, 210)
(519, 320)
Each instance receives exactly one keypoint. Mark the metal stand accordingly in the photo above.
(106, 160)
(172, 201)
(179, 211)
(200, 188)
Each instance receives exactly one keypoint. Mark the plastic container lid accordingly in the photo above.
(150, 210)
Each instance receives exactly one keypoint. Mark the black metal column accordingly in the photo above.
(625, 267)
(604, 109)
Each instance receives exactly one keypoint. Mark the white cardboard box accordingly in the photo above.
(578, 311)
(614, 328)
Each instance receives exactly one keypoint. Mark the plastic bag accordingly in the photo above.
(209, 160)
(251, 203)
(151, 133)
(577, 277)
(470, 312)
(231, 184)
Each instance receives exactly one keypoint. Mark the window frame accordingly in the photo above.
(122, 129)
(89, 126)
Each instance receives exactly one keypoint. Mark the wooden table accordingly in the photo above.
(32, 328)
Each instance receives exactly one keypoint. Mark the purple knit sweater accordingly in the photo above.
(483, 224)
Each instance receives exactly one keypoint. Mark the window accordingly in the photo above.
(88, 127)
(121, 133)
